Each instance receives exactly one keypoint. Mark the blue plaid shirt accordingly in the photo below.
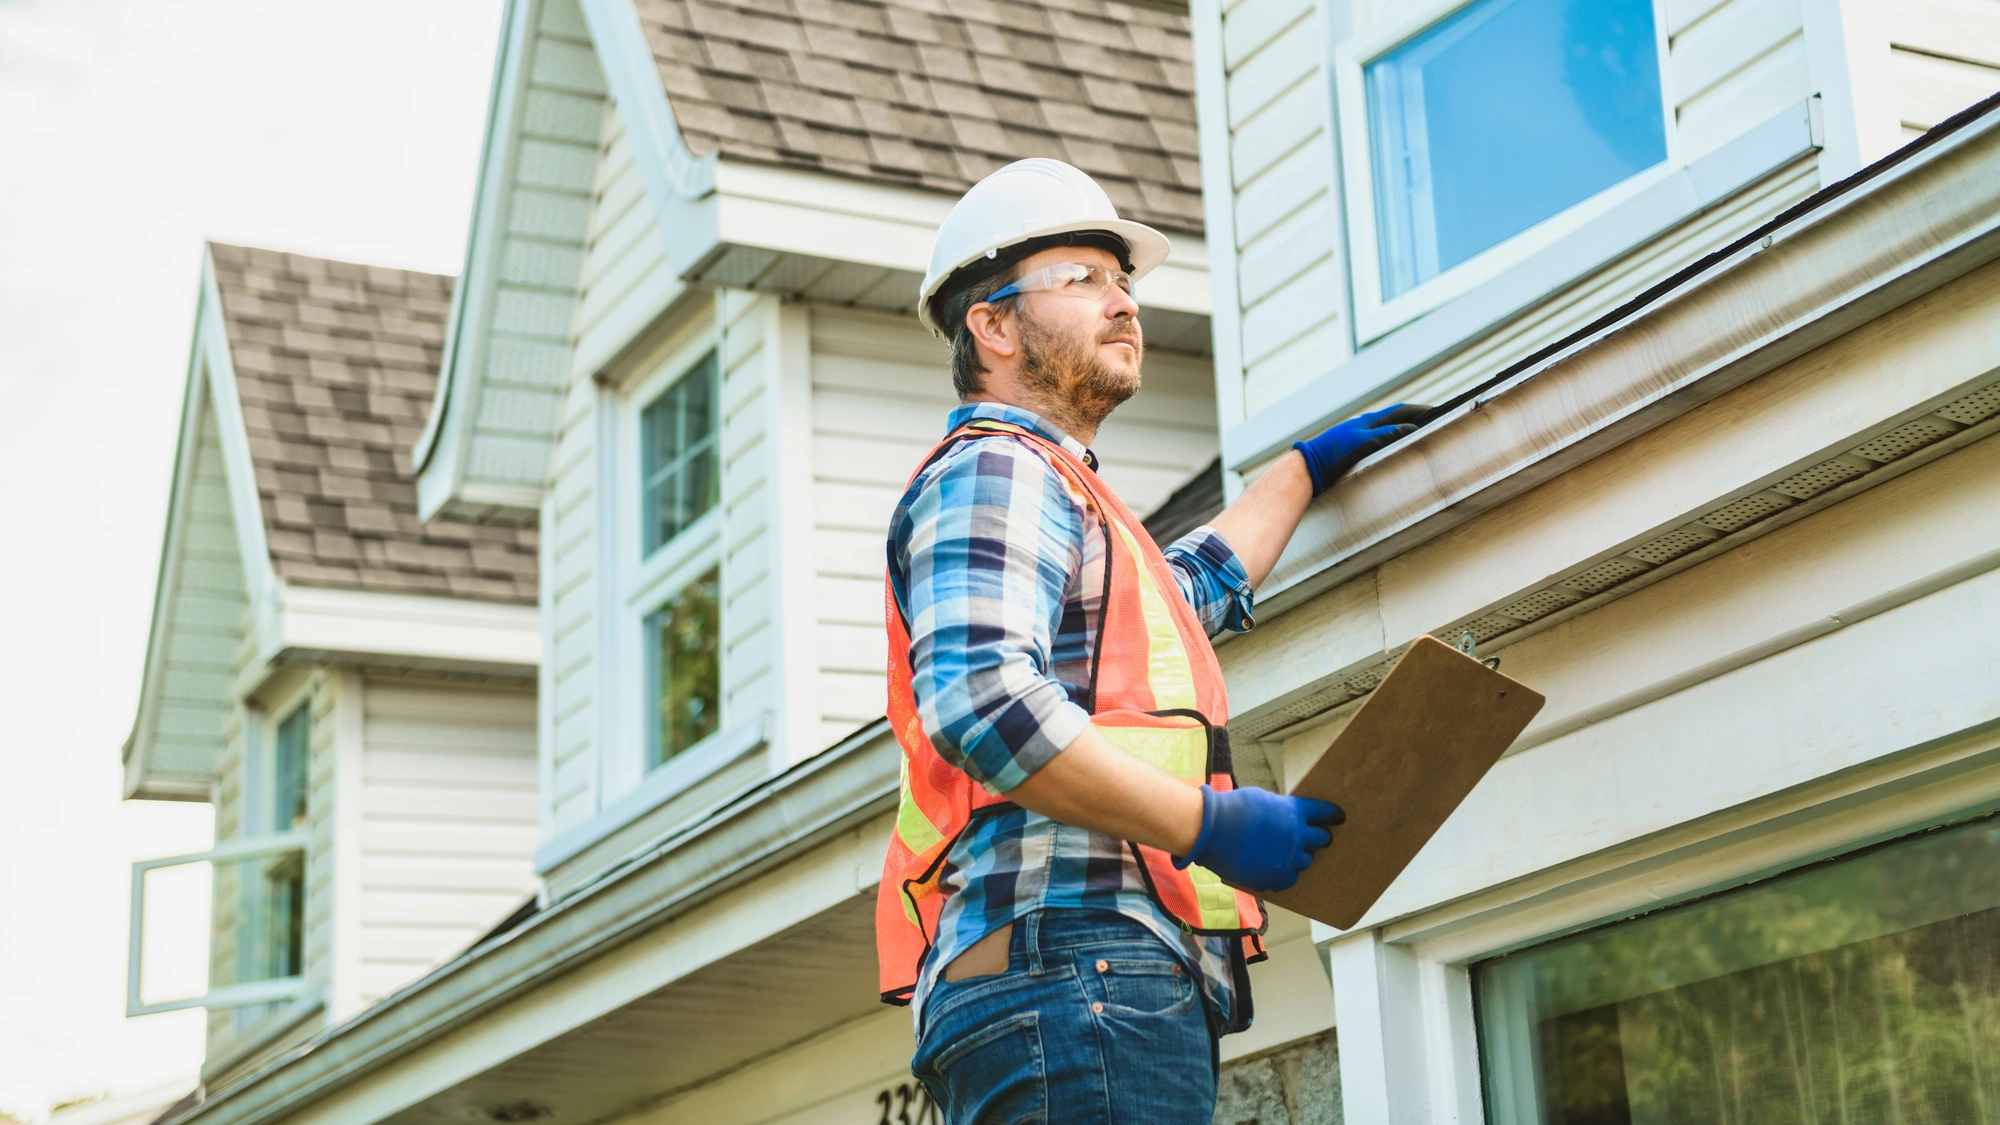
(998, 567)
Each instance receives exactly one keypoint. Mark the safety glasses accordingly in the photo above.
(1071, 279)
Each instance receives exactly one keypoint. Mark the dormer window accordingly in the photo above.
(1487, 131)
(677, 450)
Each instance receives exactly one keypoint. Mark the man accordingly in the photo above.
(1058, 900)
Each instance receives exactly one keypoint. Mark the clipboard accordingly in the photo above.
(1409, 757)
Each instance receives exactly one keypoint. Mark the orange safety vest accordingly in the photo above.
(1156, 693)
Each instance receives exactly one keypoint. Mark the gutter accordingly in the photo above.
(766, 826)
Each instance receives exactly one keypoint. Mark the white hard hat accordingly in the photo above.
(1029, 199)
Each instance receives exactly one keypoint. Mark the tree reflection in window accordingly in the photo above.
(683, 640)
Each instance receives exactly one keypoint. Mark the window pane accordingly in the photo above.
(1862, 991)
(683, 639)
(1501, 115)
(290, 771)
(677, 450)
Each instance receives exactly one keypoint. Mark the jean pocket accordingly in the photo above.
(996, 1074)
(1149, 987)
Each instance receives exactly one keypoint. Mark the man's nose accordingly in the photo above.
(1118, 303)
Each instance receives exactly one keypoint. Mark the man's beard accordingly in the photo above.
(1076, 388)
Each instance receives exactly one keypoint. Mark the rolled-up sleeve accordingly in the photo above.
(1213, 580)
(987, 547)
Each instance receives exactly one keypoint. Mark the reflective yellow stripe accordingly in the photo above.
(1181, 751)
(912, 826)
(1169, 673)
(1215, 899)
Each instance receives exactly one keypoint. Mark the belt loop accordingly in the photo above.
(1033, 939)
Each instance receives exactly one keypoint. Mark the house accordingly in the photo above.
(1709, 287)
(352, 691)
(1714, 328)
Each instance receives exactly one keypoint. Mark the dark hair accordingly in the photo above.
(980, 279)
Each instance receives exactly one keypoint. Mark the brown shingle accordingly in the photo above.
(336, 364)
(893, 90)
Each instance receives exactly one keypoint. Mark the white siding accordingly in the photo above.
(625, 266)
(751, 639)
(201, 622)
(447, 822)
(1946, 55)
(1731, 66)
(571, 577)
(881, 389)
(1281, 165)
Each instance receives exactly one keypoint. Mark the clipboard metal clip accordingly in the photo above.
(1469, 645)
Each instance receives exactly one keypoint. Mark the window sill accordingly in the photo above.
(1455, 325)
(687, 769)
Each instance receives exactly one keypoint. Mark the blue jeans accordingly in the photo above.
(1095, 1021)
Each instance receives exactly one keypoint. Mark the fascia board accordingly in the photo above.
(440, 451)
(1820, 271)
(889, 226)
(783, 818)
(361, 623)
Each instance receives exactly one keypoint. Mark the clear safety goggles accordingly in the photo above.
(1071, 279)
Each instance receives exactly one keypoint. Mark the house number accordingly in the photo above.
(907, 1103)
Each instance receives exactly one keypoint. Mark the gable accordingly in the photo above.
(484, 452)
(200, 608)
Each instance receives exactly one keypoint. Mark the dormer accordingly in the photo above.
(353, 691)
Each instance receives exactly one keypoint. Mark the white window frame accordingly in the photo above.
(1403, 994)
(259, 776)
(646, 581)
(1375, 316)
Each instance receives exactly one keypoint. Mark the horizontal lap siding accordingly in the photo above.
(1946, 56)
(448, 822)
(881, 390)
(1732, 66)
(1281, 169)
(205, 611)
(625, 263)
(750, 658)
(570, 612)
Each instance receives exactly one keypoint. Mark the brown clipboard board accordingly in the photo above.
(1412, 753)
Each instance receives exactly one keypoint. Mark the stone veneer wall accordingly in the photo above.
(1296, 1085)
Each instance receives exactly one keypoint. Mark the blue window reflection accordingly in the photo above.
(1501, 115)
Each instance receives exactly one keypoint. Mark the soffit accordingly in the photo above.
(755, 1001)
(336, 364)
(939, 93)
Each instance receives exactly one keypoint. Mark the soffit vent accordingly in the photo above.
(1819, 478)
(1540, 604)
(1974, 408)
(1605, 575)
(1907, 439)
(1673, 544)
(1749, 510)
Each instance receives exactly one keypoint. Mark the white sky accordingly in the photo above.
(130, 132)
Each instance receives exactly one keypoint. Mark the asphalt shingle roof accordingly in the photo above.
(336, 365)
(938, 93)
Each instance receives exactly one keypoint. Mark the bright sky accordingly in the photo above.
(130, 132)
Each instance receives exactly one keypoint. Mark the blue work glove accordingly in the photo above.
(1259, 840)
(1331, 454)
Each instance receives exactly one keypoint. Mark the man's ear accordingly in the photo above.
(994, 330)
